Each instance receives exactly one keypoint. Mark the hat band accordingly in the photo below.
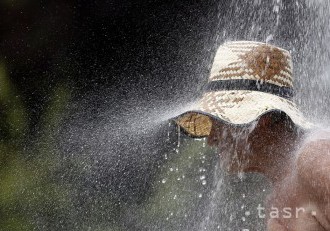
(250, 85)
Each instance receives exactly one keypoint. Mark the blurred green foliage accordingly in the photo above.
(181, 185)
(15, 175)
(26, 187)
(35, 196)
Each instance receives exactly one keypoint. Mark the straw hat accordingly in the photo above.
(247, 80)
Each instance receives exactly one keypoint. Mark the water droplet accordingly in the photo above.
(269, 38)
(163, 181)
(179, 132)
(202, 177)
(204, 182)
(241, 175)
(231, 218)
(200, 195)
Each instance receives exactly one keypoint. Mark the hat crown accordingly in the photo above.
(248, 80)
(249, 60)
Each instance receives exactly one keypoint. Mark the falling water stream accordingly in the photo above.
(182, 186)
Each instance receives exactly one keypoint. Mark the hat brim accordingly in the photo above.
(239, 107)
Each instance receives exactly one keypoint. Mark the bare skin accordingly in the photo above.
(298, 168)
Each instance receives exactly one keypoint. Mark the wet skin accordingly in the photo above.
(299, 169)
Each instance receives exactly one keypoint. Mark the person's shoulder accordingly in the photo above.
(318, 140)
(313, 160)
(315, 146)
(319, 134)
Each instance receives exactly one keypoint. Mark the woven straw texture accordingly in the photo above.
(244, 60)
(252, 60)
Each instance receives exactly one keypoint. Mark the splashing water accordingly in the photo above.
(169, 182)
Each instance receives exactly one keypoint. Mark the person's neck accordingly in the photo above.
(277, 169)
(280, 163)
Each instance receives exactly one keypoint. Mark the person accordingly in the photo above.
(248, 113)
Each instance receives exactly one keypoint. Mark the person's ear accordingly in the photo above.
(265, 121)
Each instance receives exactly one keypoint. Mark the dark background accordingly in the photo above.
(153, 48)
